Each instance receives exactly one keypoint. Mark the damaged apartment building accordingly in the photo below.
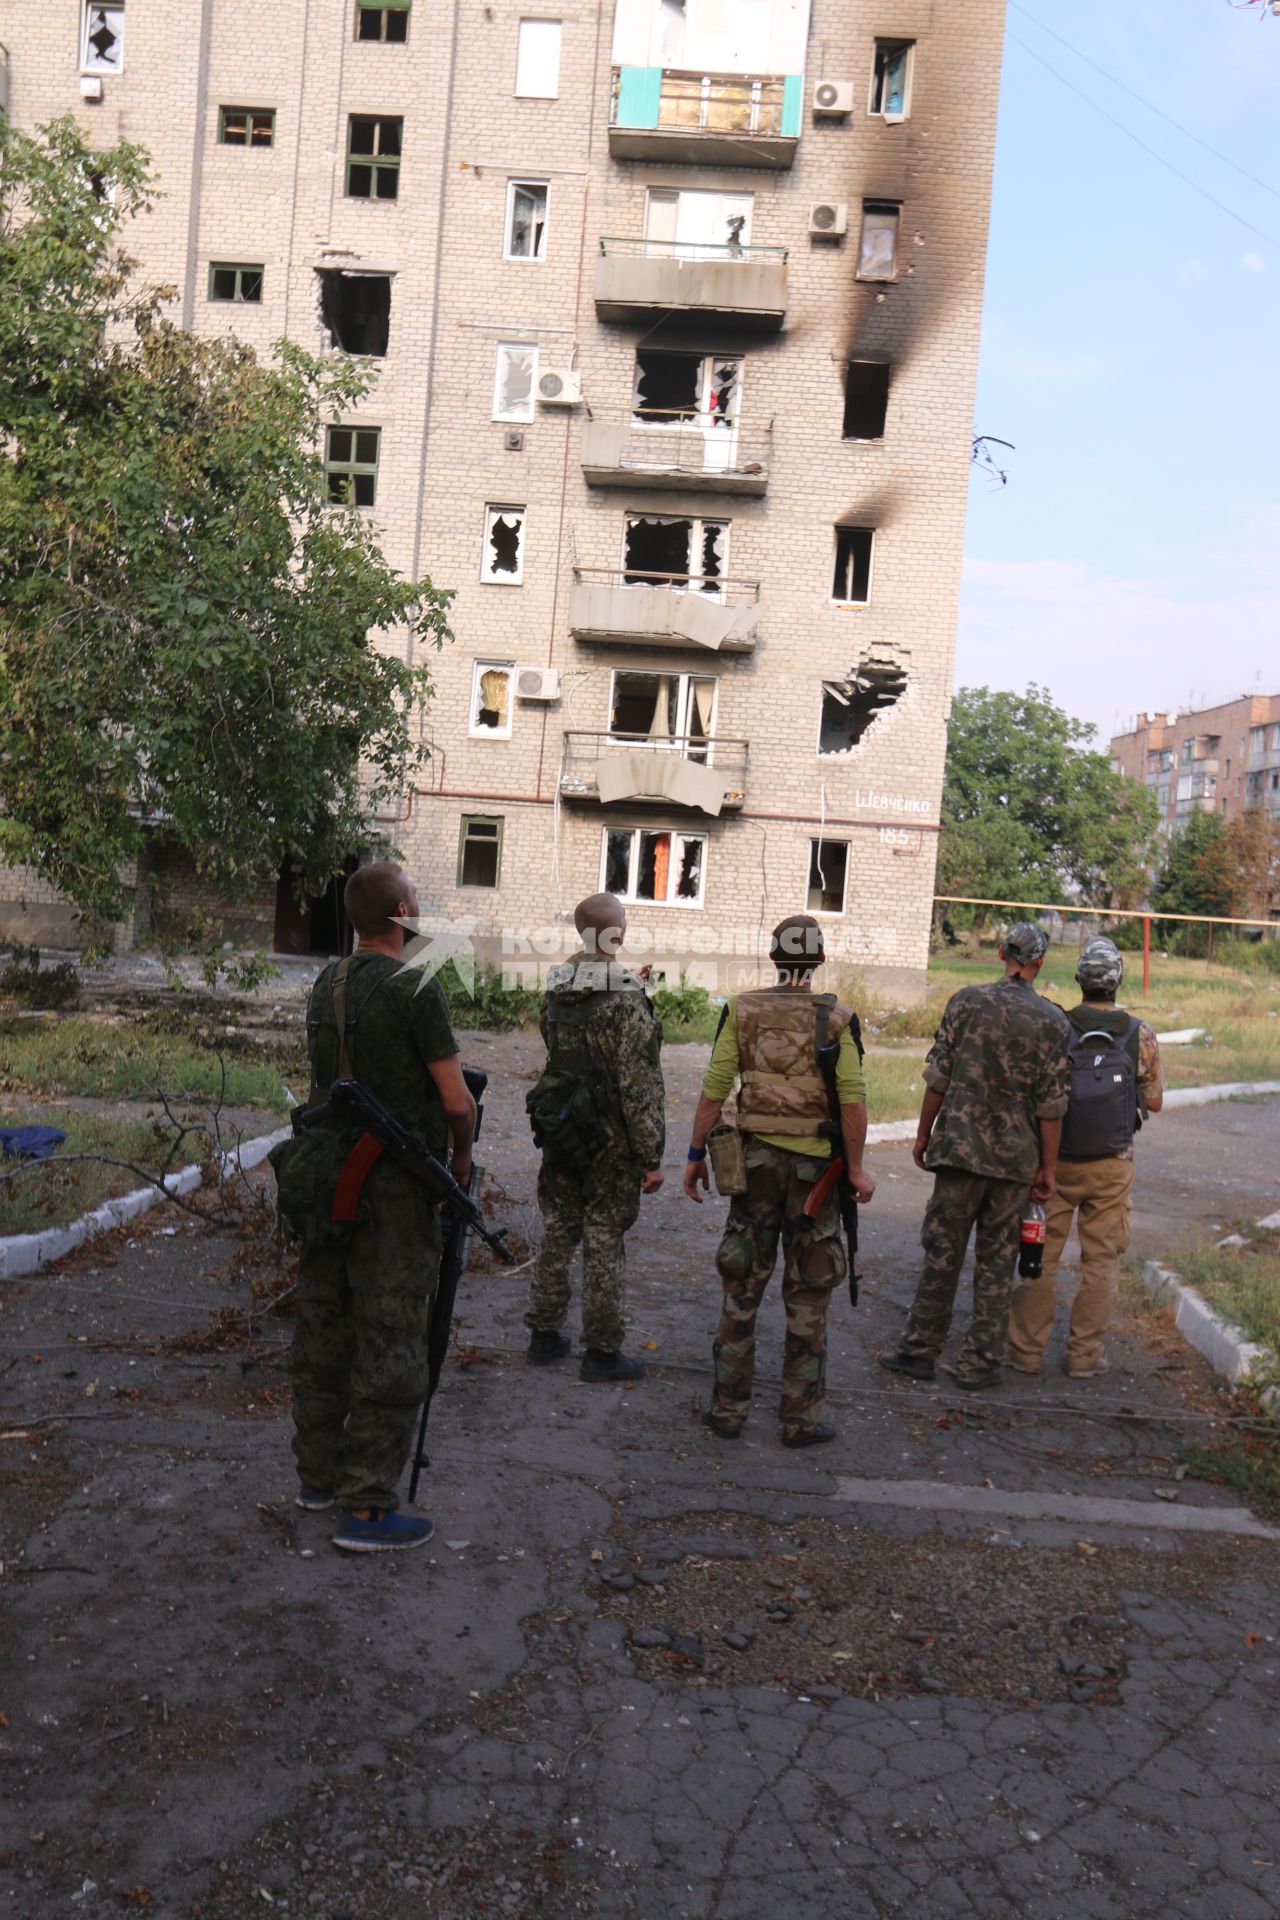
(673, 308)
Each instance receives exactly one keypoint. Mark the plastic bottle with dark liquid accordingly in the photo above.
(1031, 1239)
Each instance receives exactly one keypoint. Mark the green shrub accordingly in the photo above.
(492, 1007)
(45, 988)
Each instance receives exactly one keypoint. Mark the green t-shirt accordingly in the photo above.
(396, 1023)
(722, 1071)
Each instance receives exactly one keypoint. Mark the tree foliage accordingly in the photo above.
(1030, 810)
(1221, 869)
(184, 614)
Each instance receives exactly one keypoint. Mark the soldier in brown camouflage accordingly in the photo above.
(768, 1040)
(603, 1042)
(996, 1086)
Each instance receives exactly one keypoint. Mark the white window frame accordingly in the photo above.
(700, 522)
(87, 63)
(532, 63)
(684, 698)
(678, 834)
(880, 113)
(819, 840)
(513, 187)
(478, 670)
(849, 527)
(492, 512)
(879, 207)
(710, 249)
(515, 417)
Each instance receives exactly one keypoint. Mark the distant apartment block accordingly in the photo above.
(674, 311)
(1222, 759)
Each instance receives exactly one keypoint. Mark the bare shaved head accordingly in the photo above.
(373, 894)
(601, 919)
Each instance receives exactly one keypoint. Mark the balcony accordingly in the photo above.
(613, 606)
(746, 286)
(717, 119)
(709, 775)
(684, 452)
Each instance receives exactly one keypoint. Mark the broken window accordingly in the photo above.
(491, 698)
(664, 710)
(382, 20)
(665, 551)
(351, 464)
(502, 559)
(849, 706)
(672, 386)
(102, 41)
(878, 248)
(866, 399)
(246, 126)
(852, 582)
(480, 850)
(655, 865)
(229, 281)
(828, 874)
(538, 60)
(356, 308)
(891, 79)
(526, 220)
(374, 143)
(699, 220)
(514, 380)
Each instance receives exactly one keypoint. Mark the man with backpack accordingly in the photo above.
(598, 1119)
(1116, 1081)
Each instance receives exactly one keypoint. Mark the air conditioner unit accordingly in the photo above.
(90, 86)
(537, 683)
(560, 387)
(833, 96)
(829, 218)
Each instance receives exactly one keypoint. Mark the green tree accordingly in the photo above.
(1200, 874)
(184, 613)
(1030, 809)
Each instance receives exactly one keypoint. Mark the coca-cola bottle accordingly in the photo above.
(1031, 1238)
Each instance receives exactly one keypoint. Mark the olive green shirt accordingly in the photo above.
(717, 1083)
(397, 1022)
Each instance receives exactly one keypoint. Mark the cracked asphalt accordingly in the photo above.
(955, 1711)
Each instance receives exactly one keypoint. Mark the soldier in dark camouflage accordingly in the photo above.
(603, 1037)
(996, 1089)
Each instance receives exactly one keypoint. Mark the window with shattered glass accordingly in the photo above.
(491, 682)
(675, 551)
(878, 246)
(526, 220)
(851, 583)
(356, 310)
(514, 381)
(502, 559)
(102, 45)
(891, 79)
(828, 876)
(674, 710)
(654, 865)
(675, 386)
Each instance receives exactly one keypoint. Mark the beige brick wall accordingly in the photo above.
(443, 457)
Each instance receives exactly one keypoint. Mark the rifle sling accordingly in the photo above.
(355, 1171)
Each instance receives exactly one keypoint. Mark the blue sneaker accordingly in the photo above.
(313, 1499)
(383, 1532)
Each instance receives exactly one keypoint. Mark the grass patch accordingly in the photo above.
(48, 1193)
(1240, 1283)
(1247, 1464)
(162, 1049)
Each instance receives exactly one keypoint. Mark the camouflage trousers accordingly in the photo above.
(359, 1360)
(813, 1262)
(960, 1202)
(594, 1205)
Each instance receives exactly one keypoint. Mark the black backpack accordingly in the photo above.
(1103, 1112)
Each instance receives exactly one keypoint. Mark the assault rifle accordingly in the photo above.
(350, 1105)
(836, 1175)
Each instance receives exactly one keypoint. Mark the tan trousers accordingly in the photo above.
(1099, 1191)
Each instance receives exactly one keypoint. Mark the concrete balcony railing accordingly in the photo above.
(637, 278)
(684, 771)
(618, 606)
(706, 119)
(690, 452)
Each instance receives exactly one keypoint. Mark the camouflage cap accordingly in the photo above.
(1025, 943)
(1100, 968)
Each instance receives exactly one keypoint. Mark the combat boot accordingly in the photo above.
(598, 1365)
(815, 1436)
(916, 1366)
(544, 1347)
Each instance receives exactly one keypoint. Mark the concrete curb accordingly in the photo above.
(1227, 1348)
(28, 1252)
(888, 1130)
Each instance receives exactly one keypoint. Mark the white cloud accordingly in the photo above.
(1254, 262)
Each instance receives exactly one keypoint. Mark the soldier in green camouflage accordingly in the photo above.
(996, 1086)
(365, 1291)
(598, 1119)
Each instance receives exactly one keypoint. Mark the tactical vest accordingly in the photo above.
(779, 1032)
(574, 1102)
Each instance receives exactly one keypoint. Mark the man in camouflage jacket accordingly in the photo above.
(996, 1086)
(602, 1037)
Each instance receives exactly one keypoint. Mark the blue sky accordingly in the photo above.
(1130, 347)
